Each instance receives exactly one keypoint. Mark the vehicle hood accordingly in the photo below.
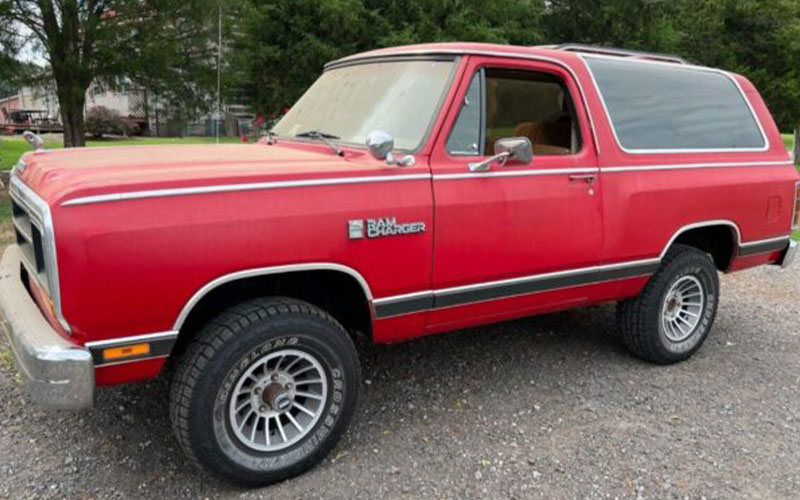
(60, 175)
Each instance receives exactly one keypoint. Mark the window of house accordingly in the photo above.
(669, 107)
(503, 103)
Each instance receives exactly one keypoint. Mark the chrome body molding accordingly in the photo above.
(264, 271)
(121, 341)
(480, 292)
(684, 166)
(424, 300)
(697, 225)
(255, 186)
(743, 248)
(39, 213)
(225, 188)
(688, 67)
(516, 173)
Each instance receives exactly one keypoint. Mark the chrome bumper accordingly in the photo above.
(57, 373)
(788, 255)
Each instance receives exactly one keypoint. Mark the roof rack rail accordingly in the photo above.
(611, 51)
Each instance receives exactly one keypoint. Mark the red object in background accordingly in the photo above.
(480, 228)
(286, 109)
(244, 138)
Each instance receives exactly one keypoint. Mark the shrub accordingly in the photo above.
(101, 120)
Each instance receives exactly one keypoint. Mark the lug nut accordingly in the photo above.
(289, 386)
(274, 377)
(262, 409)
(258, 390)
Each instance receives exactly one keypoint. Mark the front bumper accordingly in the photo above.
(788, 255)
(58, 373)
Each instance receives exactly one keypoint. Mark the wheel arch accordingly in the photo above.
(351, 305)
(720, 238)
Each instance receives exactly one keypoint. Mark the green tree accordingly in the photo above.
(633, 24)
(8, 71)
(757, 38)
(421, 21)
(281, 46)
(102, 40)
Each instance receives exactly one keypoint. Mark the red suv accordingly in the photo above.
(410, 191)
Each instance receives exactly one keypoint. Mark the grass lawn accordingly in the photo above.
(12, 147)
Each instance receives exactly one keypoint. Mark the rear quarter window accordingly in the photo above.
(666, 107)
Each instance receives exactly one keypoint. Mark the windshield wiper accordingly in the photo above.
(322, 136)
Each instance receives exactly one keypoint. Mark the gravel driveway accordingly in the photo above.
(546, 407)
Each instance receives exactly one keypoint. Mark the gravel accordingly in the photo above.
(544, 407)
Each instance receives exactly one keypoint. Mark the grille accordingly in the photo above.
(33, 226)
(28, 231)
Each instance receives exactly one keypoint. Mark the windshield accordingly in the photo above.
(348, 103)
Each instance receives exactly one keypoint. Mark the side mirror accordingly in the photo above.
(34, 140)
(514, 150)
(381, 144)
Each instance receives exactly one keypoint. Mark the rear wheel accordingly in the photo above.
(264, 391)
(671, 318)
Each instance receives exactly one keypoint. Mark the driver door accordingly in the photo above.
(515, 239)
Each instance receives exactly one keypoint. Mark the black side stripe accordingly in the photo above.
(404, 306)
(768, 246)
(452, 298)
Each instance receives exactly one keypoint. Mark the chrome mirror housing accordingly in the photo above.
(381, 144)
(34, 140)
(514, 150)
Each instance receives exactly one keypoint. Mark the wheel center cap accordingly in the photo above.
(672, 304)
(275, 396)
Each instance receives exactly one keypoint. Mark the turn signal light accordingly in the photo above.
(128, 351)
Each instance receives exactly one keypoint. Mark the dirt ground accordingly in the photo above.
(546, 407)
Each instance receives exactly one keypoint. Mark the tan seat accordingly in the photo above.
(542, 137)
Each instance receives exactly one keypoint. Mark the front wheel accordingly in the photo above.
(264, 391)
(671, 318)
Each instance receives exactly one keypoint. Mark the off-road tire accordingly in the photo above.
(639, 319)
(221, 352)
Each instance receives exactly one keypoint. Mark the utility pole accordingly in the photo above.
(218, 120)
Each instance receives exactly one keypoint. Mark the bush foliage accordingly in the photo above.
(280, 46)
(103, 121)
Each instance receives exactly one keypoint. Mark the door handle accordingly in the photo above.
(587, 178)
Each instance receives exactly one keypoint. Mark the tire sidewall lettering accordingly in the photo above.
(272, 461)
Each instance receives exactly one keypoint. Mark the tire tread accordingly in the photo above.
(217, 333)
(634, 316)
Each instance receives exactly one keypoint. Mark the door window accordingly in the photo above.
(514, 103)
(466, 137)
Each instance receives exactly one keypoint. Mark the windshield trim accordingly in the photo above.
(455, 59)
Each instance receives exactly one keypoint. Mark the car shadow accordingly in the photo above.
(430, 372)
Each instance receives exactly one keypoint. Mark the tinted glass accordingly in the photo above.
(398, 97)
(465, 138)
(655, 106)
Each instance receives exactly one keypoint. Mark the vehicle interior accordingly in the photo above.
(532, 105)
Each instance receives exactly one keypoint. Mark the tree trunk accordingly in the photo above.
(72, 103)
(797, 145)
